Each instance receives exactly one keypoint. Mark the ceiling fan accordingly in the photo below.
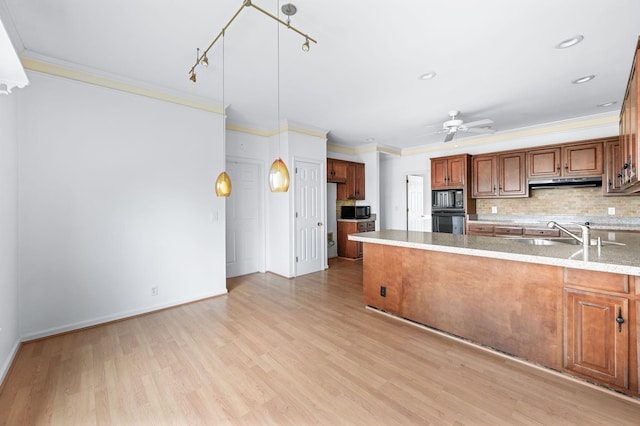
(454, 125)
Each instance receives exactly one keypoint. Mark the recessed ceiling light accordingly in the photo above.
(607, 104)
(428, 75)
(570, 42)
(370, 139)
(583, 79)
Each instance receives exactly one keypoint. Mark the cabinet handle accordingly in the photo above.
(558, 167)
(566, 167)
(620, 320)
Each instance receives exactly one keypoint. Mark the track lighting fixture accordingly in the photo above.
(288, 9)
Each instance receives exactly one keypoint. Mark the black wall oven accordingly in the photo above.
(447, 221)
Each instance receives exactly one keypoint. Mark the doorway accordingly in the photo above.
(309, 218)
(416, 219)
(244, 228)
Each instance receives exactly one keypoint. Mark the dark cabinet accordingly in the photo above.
(499, 175)
(336, 170)
(613, 167)
(597, 337)
(354, 186)
(629, 141)
(352, 249)
(449, 172)
(572, 160)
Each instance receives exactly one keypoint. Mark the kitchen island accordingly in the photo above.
(567, 307)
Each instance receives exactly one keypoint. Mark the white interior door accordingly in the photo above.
(309, 218)
(243, 227)
(416, 220)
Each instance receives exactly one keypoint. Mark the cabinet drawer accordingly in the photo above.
(541, 232)
(507, 230)
(362, 226)
(480, 229)
(371, 226)
(605, 281)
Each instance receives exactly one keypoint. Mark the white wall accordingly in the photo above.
(116, 197)
(394, 169)
(9, 331)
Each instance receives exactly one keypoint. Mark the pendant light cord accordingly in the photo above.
(224, 113)
(278, 76)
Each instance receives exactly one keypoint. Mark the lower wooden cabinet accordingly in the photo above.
(597, 336)
(352, 249)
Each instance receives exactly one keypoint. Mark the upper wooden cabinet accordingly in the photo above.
(449, 172)
(336, 170)
(571, 160)
(629, 142)
(353, 187)
(499, 175)
(612, 167)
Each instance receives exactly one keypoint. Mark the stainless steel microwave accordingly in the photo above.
(355, 212)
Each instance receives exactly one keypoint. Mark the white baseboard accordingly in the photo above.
(8, 362)
(114, 317)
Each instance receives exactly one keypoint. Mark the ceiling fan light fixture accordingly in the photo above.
(427, 76)
(584, 79)
(570, 42)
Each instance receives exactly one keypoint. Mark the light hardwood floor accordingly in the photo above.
(278, 351)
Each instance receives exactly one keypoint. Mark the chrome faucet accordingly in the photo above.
(586, 232)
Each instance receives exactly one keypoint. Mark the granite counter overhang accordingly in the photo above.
(619, 259)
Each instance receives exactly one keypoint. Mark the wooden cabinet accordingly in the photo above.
(596, 306)
(572, 160)
(449, 172)
(480, 229)
(612, 167)
(597, 345)
(354, 187)
(352, 249)
(499, 175)
(336, 170)
(629, 141)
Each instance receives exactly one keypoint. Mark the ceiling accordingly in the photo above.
(493, 59)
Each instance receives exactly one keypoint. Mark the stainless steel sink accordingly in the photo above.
(560, 241)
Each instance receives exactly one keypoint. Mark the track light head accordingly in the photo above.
(204, 61)
(305, 45)
(193, 76)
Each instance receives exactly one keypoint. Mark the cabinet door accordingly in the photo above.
(438, 173)
(358, 191)
(583, 159)
(596, 345)
(347, 248)
(544, 163)
(484, 182)
(512, 182)
(336, 170)
(613, 166)
(456, 171)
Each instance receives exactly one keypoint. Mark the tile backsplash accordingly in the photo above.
(566, 201)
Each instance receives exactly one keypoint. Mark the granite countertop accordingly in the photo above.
(595, 222)
(620, 259)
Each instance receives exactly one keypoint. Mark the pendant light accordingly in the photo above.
(278, 173)
(223, 182)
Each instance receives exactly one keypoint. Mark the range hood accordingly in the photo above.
(565, 182)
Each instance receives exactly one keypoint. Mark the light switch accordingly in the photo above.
(611, 211)
(494, 209)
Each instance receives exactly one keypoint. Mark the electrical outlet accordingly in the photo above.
(383, 291)
(611, 211)
(494, 209)
(154, 290)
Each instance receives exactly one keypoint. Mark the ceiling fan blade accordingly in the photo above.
(480, 130)
(484, 122)
(449, 136)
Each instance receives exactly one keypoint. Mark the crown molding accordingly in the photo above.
(37, 63)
